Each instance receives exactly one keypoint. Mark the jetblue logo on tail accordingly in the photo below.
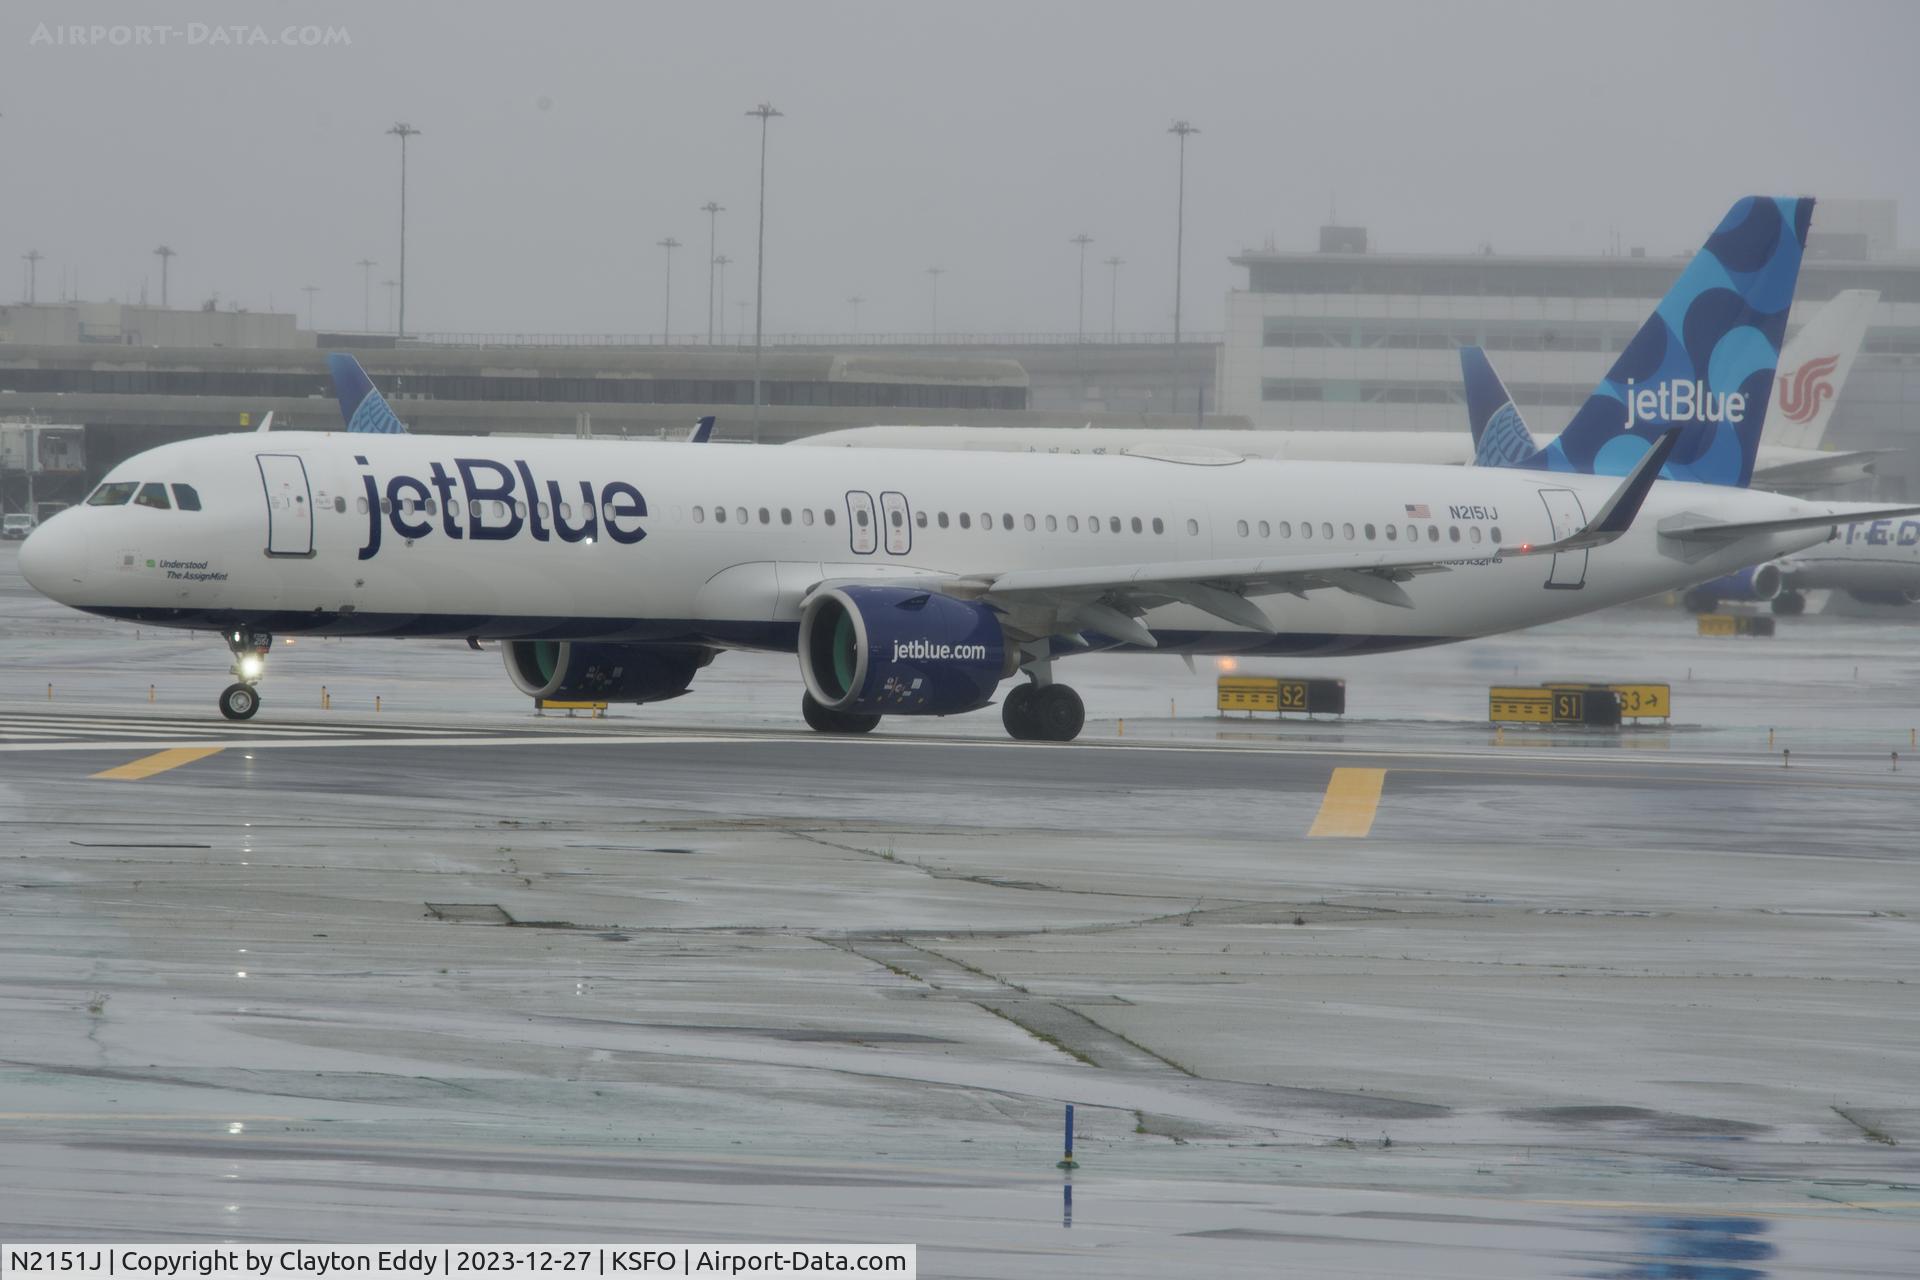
(1683, 402)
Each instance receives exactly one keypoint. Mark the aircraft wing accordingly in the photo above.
(1701, 528)
(1109, 599)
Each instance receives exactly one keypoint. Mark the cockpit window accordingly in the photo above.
(116, 494)
(153, 495)
(186, 497)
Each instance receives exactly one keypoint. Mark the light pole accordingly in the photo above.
(666, 335)
(403, 131)
(934, 274)
(1113, 297)
(391, 285)
(1080, 322)
(721, 260)
(366, 266)
(163, 253)
(34, 257)
(713, 209)
(1183, 130)
(855, 302)
(766, 112)
(309, 290)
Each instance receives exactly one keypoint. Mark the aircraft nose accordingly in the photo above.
(53, 558)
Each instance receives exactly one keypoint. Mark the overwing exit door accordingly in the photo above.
(289, 504)
(1569, 571)
(861, 533)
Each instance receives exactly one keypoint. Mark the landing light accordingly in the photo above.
(1229, 664)
(251, 667)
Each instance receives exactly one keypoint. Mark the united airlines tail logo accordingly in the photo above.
(1803, 391)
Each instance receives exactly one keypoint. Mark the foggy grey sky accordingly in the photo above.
(562, 141)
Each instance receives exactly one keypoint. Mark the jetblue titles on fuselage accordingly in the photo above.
(408, 503)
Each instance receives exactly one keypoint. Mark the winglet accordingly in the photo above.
(266, 423)
(1616, 516)
(361, 405)
(702, 431)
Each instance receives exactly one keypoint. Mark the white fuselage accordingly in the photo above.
(1881, 555)
(1803, 467)
(718, 544)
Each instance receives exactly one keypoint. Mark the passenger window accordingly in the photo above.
(920, 519)
(806, 515)
(1393, 533)
(1473, 535)
(153, 495)
(386, 506)
(1006, 520)
(1028, 522)
(187, 498)
(1053, 525)
(766, 517)
(943, 520)
(1158, 527)
(1093, 524)
(1346, 531)
(1266, 530)
(1326, 530)
(986, 519)
(1453, 533)
(740, 514)
(1369, 533)
(117, 494)
(1306, 528)
(1193, 528)
(1433, 533)
(360, 504)
(1073, 524)
(719, 515)
(339, 506)
(786, 515)
(1496, 533)
(966, 521)
(1285, 528)
(1136, 524)
(1413, 533)
(699, 515)
(827, 514)
(1240, 527)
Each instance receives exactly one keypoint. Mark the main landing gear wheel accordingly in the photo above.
(826, 720)
(239, 702)
(1790, 604)
(1051, 713)
(1016, 712)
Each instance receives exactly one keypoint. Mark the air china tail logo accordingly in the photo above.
(1683, 402)
(1803, 391)
(928, 651)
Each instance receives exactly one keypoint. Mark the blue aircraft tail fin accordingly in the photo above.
(361, 405)
(702, 431)
(1703, 362)
(1500, 435)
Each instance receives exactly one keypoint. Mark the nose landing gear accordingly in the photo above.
(238, 701)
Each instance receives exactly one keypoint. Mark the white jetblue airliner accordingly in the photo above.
(1812, 371)
(908, 582)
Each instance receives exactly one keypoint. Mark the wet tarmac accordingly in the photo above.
(1577, 1003)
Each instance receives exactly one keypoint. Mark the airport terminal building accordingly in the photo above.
(1344, 337)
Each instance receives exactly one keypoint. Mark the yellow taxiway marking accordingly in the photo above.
(1353, 795)
(158, 762)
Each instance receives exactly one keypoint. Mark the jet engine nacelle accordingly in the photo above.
(900, 652)
(1761, 582)
(1910, 596)
(571, 671)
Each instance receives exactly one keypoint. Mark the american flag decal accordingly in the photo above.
(1418, 511)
